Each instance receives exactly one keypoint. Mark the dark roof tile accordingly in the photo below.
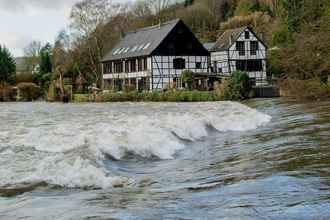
(224, 42)
(141, 42)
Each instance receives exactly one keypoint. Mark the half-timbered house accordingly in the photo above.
(153, 58)
(240, 49)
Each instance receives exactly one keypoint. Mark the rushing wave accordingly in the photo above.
(68, 151)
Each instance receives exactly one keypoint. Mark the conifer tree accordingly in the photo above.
(7, 66)
(45, 60)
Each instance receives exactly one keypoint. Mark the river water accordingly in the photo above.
(262, 159)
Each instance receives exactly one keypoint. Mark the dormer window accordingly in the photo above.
(247, 35)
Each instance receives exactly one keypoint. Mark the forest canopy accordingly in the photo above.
(296, 31)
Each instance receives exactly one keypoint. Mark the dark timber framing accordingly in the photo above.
(240, 49)
(160, 47)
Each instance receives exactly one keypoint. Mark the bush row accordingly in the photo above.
(23, 92)
(236, 88)
(7, 93)
(155, 96)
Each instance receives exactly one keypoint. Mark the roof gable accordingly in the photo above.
(180, 41)
(229, 37)
(141, 42)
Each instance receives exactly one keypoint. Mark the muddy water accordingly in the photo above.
(263, 159)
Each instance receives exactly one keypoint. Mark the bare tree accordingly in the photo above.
(33, 49)
(61, 62)
(87, 19)
(159, 5)
(32, 54)
(141, 9)
(87, 15)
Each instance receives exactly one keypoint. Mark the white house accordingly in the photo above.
(153, 58)
(240, 49)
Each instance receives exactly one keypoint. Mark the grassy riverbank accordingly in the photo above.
(155, 96)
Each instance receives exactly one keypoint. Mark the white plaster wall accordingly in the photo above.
(126, 75)
(221, 59)
(261, 53)
(163, 71)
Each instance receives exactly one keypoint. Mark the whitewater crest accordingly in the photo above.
(69, 150)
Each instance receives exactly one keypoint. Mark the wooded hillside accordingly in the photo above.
(296, 31)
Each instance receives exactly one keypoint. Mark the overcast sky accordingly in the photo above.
(22, 21)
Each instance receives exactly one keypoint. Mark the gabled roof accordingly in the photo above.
(141, 42)
(224, 42)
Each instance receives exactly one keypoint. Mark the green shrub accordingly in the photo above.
(28, 91)
(187, 77)
(81, 98)
(282, 36)
(274, 63)
(24, 77)
(239, 86)
(7, 93)
(158, 96)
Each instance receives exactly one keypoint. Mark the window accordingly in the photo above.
(108, 68)
(179, 63)
(198, 65)
(145, 64)
(146, 46)
(118, 83)
(247, 34)
(249, 65)
(126, 66)
(119, 67)
(254, 46)
(126, 50)
(133, 65)
(140, 61)
(140, 47)
(116, 51)
(121, 50)
(215, 66)
(219, 70)
(134, 48)
(240, 47)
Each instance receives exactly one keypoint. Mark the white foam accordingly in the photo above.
(152, 132)
(76, 173)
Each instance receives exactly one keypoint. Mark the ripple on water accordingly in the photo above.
(170, 161)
